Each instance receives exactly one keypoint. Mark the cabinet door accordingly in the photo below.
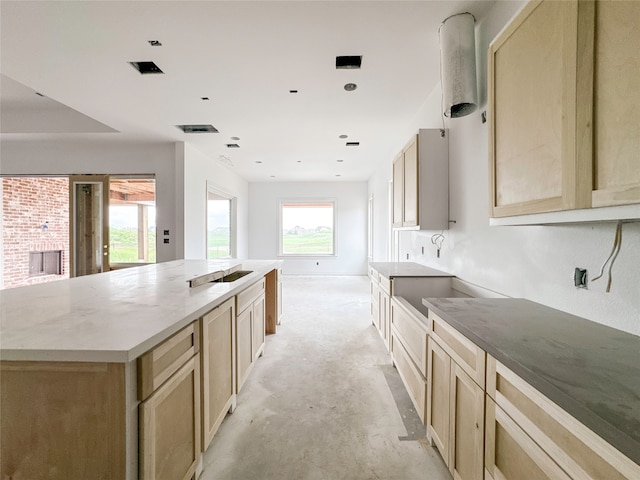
(616, 98)
(509, 452)
(258, 327)
(170, 426)
(244, 352)
(375, 304)
(385, 327)
(466, 427)
(218, 367)
(540, 152)
(398, 191)
(438, 398)
(410, 216)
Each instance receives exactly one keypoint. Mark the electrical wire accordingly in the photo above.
(612, 257)
(437, 240)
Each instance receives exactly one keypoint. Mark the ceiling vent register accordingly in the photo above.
(198, 128)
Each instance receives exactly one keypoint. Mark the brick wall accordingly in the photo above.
(28, 204)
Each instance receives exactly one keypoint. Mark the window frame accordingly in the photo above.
(233, 221)
(283, 201)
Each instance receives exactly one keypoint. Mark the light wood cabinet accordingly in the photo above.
(455, 392)
(273, 300)
(511, 454)
(409, 352)
(62, 420)
(616, 96)
(218, 353)
(169, 415)
(421, 182)
(523, 416)
(250, 329)
(562, 90)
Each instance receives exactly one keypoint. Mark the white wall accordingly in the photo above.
(533, 262)
(198, 170)
(351, 225)
(50, 157)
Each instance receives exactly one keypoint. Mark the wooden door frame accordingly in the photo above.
(93, 179)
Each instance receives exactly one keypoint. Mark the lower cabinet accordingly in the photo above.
(250, 329)
(169, 415)
(529, 436)
(511, 454)
(218, 351)
(455, 413)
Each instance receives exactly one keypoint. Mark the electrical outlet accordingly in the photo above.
(580, 277)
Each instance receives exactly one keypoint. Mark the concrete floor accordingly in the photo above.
(324, 402)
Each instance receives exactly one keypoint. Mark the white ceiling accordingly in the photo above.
(245, 56)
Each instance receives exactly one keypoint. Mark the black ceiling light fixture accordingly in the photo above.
(348, 62)
(154, 43)
(146, 68)
(198, 128)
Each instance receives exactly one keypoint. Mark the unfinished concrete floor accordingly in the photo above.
(324, 402)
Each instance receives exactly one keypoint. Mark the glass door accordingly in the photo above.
(89, 224)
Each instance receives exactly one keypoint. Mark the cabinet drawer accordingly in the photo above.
(247, 296)
(464, 352)
(411, 332)
(385, 285)
(509, 452)
(413, 380)
(578, 450)
(374, 275)
(158, 364)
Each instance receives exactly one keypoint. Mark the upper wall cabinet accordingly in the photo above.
(563, 96)
(421, 182)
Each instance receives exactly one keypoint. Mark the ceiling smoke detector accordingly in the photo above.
(348, 62)
(198, 128)
(146, 68)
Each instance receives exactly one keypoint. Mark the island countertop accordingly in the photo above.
(590, 370)
(114, 316)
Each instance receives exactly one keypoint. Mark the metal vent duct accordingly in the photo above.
(458, 65)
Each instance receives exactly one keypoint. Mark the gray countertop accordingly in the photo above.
(590, 370)
(406, 269)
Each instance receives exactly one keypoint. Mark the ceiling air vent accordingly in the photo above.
(353, 144)
(146, 68)
(348, 62)
(233, 145)
(198, 128)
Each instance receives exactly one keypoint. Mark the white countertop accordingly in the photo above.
(114, 316)
(406, 269)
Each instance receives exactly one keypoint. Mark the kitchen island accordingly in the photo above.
(77, 354)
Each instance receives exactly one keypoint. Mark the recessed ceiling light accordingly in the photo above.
(339, 161)
(353, 144)
(293, 91)
(198, 128)
(348, 62)
(299, 161)
(343, 136)
(258, 161)
(146, 68)
(272, 176)
(350, 87)
(235, 138)
(338, 175)
(233, 145)
(155, 43)
(204, 98)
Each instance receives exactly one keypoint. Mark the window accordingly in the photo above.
(307, 228)
(220, 224)
(132, 220)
